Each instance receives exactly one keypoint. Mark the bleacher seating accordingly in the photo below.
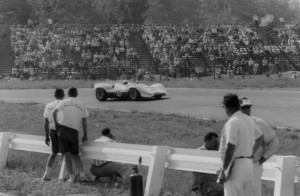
(6, 56)
(108, 51)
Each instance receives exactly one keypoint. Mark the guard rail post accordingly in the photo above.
(63, 173)
(156, 171)
(4, 147)
(297, 180)
(285, 176)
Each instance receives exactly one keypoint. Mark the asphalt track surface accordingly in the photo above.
(278, 107)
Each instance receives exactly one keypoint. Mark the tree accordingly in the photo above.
(174, 11)
(68, 11)
(124, 11)
(15, 11)
(134, 11)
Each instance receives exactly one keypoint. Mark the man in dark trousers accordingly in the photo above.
(206, 184)
(51, 132)
(74, 114)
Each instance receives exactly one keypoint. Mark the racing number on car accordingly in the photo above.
(118, 93)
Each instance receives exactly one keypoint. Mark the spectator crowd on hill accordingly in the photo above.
(90, 50)
(237, 46)
(106, 51)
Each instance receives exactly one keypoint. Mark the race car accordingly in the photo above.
(128, 90)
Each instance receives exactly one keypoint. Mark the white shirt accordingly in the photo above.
(241, 131)
(271, 143)
(202, 148)
(48, 113)
(97, 162)
(73, 110)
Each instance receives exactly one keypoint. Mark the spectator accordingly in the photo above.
(53, 135)
(73, 120)
(109, 169)
(205, 184)
(46, 48)
(269, 147)
(240, 138)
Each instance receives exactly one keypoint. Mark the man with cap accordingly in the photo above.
(269, 146)
(240, 137)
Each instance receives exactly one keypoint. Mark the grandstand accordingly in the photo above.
(6, 60)
(110, 51)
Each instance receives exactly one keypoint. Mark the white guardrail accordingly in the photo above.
(283, 170)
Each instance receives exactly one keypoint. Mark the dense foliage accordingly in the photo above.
(220, 11)
(139, 11)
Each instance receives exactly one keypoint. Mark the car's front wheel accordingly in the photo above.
(157, 96)
(101, 94)
(134, 94)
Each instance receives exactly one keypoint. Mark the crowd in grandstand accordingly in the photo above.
(90, 52)
(93, 51)
(168, 44)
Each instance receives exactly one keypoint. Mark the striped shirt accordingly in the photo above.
(97, 162)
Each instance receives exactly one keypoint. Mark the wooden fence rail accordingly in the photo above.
(283, 170)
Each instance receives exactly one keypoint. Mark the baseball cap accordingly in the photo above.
(244, 101)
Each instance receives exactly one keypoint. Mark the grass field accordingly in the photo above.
(207, 82)
(24, 169)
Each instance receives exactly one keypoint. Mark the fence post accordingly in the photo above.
(298, 171)
(4, 147)
(285, 176)
(156, 171)
(63, 170)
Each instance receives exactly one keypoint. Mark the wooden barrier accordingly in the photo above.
(280, 169)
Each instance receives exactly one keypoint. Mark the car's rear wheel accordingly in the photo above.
(101, 94)
(134, 94)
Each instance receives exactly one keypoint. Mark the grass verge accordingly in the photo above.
(24, 169)
(207, 82)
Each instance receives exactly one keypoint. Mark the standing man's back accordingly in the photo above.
(238, 140)
(73, 110)
(73, 120)
(51, 132)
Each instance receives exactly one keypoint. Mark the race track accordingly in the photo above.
(278, 107)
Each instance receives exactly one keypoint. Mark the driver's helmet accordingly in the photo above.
(125, 82)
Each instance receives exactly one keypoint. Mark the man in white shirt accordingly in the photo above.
(100, 168)
(73, 120)
(240, 137)
(51, 132)
(269, 147)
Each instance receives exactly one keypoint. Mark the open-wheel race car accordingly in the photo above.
(128, 90)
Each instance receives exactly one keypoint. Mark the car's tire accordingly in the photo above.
(157, 96)
(101, 94)
(134, 94)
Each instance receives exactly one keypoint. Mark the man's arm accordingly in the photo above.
(84, 126)
(258, 142)
(55, 118)
(271, 148)
(46, 128)
(228, 155)
(228, 158)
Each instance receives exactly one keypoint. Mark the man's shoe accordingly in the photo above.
(83, 179)
(46, 178)
(97, 178)
(71, 180)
